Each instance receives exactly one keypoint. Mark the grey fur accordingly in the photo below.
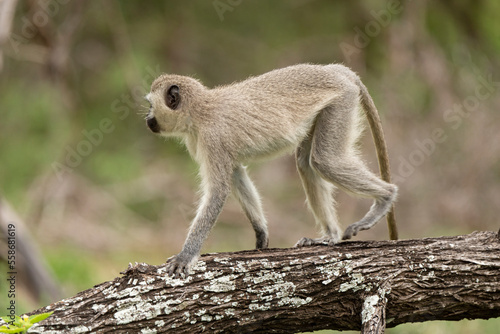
(313, 108)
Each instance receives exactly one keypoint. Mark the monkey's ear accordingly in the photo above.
(172, 97)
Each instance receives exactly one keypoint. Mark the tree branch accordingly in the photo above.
(350, 286)
(30, 266)
(7, 11)
(373, 313)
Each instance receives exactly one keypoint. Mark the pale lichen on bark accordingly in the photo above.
(369, 308)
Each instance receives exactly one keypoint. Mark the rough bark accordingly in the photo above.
(373, 313)
(350, 286)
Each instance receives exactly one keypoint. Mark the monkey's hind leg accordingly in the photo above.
(319, 194)
(354, 177)
(247, 195)
(338, 163)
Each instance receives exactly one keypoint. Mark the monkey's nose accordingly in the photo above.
(153, 124)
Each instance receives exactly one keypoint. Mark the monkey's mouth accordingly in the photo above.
(153, 124)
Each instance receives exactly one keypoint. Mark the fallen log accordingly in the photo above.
(350, 286)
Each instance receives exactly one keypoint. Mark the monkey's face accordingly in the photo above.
(164, 116)
(171, 106)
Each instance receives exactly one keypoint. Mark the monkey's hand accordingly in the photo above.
(180, 265)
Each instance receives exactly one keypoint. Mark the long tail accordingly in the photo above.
(381, 147)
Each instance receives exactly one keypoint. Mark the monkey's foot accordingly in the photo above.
(352, 230)
(319, 241)
(179, 266)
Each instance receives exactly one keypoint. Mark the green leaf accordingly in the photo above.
(5, 329)
(6, 319)
(39, 317)
(18, 322)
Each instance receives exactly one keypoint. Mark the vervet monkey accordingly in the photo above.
(312, 108)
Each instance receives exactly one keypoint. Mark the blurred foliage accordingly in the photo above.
(99, 190)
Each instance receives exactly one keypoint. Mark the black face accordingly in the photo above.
(151, 121)
(152, 124)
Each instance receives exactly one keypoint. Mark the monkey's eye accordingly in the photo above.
(172, 97)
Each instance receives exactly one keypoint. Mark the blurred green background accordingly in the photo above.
(97, 190)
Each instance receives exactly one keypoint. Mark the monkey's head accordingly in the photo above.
(171, 103)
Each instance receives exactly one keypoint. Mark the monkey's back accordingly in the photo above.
(271, 113)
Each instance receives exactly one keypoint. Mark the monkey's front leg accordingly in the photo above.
(212, 202)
